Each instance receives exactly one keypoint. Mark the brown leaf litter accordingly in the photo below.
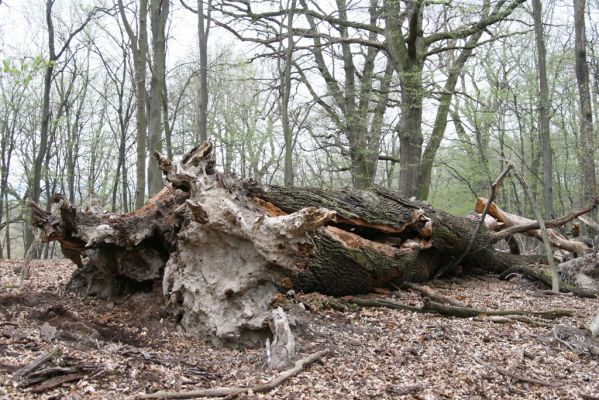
(96, 349)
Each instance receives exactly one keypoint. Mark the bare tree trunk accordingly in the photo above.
(159, 14)
(587, 152)
(139, 47)
(544, 132)
(203, 32)
(285, 95)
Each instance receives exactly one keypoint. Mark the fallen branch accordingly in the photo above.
(588, 221)
(300, 365)
(431, 294)
(510, 220)
(55, 382)
(545, 278)
(522, 378)
(467, 312)
(432, 307)
(514, 318)
(554, 223)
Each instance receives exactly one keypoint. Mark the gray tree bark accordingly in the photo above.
(139, 47)
(544, 105)
(159, 10)
(203, 32)
(587, 152)
(285, 73)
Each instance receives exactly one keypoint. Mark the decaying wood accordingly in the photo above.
(544, 233)
(20, 374)
(223, 249)
(280, 353)
(512, 220)
(582, 272)
(299, 366)
(55, 382)
(554, 223)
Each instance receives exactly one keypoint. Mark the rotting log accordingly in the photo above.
(223, 249)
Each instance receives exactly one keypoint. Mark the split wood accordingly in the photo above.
(432, 307)
(35, 364)
(554, 223)
(300, 365)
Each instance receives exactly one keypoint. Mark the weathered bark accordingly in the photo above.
(223, 249)
(587, 148)
(139, 49)
(544, 107)
(159, 15)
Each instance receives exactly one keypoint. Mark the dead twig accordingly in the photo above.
(428, 292)
(432, 307)
(522, 378)
(231, 392)
(514, 318)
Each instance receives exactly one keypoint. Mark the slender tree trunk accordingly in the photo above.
(285, 95)
(544, 133)
(159, 15)
(587, 152)
(203, 32)
(139, 47)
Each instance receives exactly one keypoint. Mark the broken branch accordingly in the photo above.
(554, 223)
(300, 365)
(432, 307)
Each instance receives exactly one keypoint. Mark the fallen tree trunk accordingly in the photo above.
(223, 249)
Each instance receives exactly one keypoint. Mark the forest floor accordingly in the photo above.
(116, 350)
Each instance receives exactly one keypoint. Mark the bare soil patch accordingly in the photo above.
(115, 350)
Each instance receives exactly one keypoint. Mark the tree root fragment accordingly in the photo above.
(231, 392)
